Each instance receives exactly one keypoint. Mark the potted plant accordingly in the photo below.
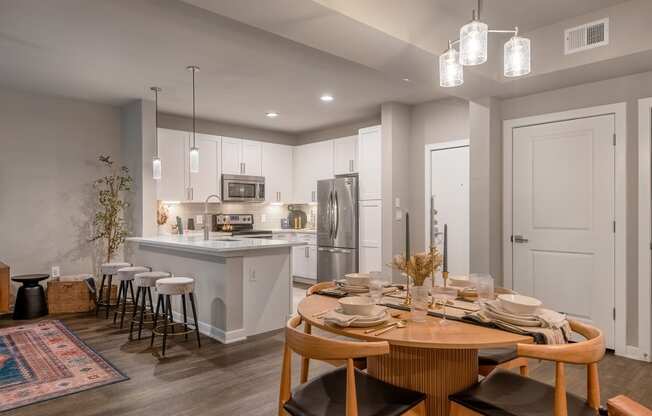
(108, 223)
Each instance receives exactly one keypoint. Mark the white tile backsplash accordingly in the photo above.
(272, 214)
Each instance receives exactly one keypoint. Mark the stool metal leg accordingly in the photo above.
(117, 305)
(194, 315)
(167, 313)
(159, 301)
(142, 310)
(185, 316)
(133, 316)
(128, 285)
(108, 296)
(99, 296)
(149, 294)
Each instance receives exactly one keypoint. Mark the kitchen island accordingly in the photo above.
(243, 286)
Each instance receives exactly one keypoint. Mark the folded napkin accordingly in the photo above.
(338, 318)
(545, 325)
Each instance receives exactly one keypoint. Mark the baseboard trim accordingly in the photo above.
(635, 353)
(225, 337)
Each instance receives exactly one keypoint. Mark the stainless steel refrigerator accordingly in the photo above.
(337, 227)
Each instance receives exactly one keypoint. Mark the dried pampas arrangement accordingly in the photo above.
(420, 266)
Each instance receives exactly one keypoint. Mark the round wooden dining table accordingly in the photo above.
(433, 358)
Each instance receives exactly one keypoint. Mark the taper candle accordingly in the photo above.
(445, 247)
(407, 236)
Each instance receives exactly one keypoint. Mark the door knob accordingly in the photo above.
(519, 239)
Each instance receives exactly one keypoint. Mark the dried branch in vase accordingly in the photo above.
(420, 266)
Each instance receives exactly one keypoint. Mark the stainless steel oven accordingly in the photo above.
(243, 188)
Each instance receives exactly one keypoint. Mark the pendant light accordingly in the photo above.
(517, 56)
(451, 73)
(156, 161)
(473, 51)
(194, 150)
(473, 42)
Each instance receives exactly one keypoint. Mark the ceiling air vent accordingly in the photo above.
(587, 36)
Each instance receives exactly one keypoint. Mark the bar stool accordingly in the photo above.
(167, 287)
(126, 277)
(108, 270)
(144, 283)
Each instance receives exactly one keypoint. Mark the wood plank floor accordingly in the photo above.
(241, 379)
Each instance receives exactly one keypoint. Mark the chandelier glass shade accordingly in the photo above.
(451, 73)
(517, 57)
(473, 43)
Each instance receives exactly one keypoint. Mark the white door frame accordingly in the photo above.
(644, 230)
(619, 110)
(452, 144)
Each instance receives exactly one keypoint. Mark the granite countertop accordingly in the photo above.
(215, 245)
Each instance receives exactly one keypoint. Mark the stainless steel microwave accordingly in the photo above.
(243, 188)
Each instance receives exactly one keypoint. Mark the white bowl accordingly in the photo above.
(357, 305)
(519, 304)
(358, 279)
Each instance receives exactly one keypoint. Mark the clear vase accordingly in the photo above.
(419, 306)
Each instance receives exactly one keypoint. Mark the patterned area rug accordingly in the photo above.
(45, 360)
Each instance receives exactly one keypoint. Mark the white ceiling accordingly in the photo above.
(258, 56)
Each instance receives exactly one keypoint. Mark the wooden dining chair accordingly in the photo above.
(490, 359)
(624, 406)
(319, 286)
(344, 390)
(504, 392)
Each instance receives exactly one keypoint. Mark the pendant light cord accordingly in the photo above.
(194, 144)
(156, 120)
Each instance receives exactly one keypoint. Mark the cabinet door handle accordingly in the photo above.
(350, 165)
(244, 167)
(307, 252)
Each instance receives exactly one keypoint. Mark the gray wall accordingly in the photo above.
(624, 89)
(431, 122)
(48, 162)
(341, 130)
(171, 121)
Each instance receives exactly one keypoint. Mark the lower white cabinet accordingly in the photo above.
(304, 262)
(370, 248)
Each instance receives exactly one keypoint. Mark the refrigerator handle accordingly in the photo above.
(330, 214)
(336, 208)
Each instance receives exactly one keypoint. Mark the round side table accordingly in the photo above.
(30, 299)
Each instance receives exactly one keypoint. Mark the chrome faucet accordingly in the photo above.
(207, 214)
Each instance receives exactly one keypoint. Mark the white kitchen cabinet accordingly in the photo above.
(277, 170)
(304, 262)
(312, 162)
(172, 149)
(370, 163)
(241, 157)
(207, 181)
(370, 243)
(345, 155)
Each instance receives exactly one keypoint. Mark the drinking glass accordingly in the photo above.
(484, 286)
(419, 306)
(376, 287)
(442, 295)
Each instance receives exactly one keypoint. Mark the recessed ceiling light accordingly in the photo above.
(326, 98)
(407, 80)
(271, 114)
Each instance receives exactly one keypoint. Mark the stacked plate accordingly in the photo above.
(357, 312)
(355, 282)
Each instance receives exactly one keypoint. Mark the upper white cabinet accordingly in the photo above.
(370, 162)
(241, 157)
(312, 162)
(172, 149)
(345, 155)
(277, 170)
(370, 247)
(207, 181)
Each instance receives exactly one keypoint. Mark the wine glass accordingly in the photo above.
(443, 295)
(375, 289)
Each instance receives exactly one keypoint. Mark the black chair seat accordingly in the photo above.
(504, 393)
(496, 356)
(326, 395)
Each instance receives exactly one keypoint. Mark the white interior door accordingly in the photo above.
(449, 187)
(563, 207)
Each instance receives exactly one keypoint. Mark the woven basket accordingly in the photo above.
(69, 297)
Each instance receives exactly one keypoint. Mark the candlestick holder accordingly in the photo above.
(408, 297)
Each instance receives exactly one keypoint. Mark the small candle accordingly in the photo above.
(445, 247)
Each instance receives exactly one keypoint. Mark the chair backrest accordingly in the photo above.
(587, 352)
(319, 286)
(315, 347)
